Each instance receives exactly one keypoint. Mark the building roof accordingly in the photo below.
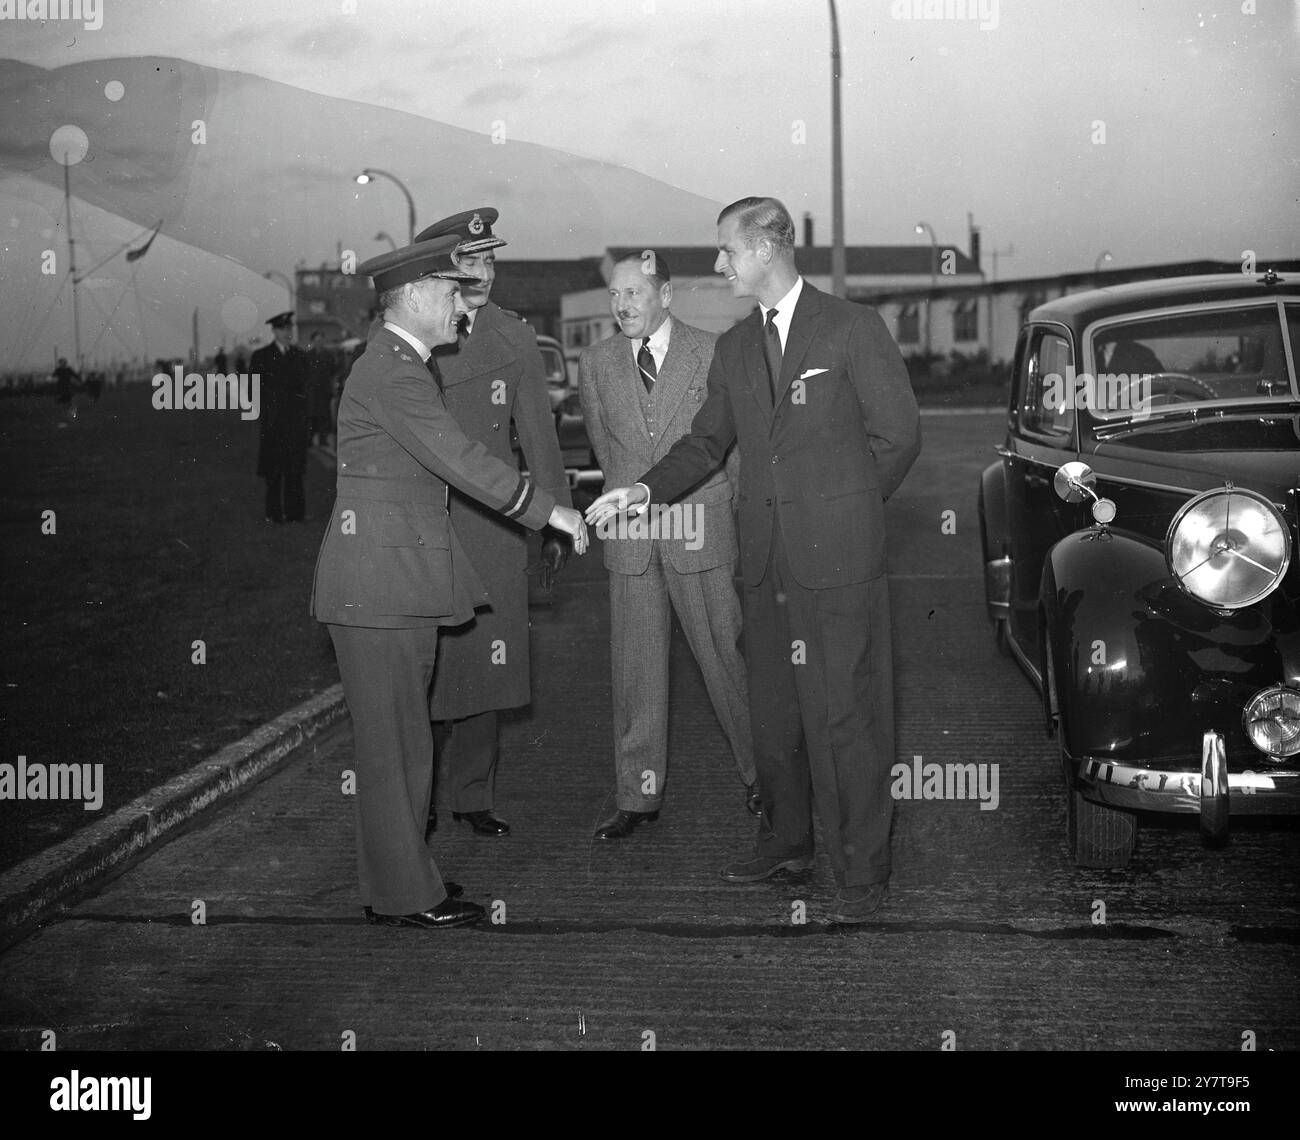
(814, 260)
(1099, 278)
(529, 286)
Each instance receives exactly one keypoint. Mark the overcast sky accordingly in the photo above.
(1160, 132)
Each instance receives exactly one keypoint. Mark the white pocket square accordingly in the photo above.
(813, 372)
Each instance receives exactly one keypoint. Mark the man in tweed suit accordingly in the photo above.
(640, 389)
(391, 571)
(816, 391)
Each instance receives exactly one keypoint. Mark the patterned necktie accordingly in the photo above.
(772, 350)
(645, 361)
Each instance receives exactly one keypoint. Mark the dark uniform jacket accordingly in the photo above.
(285, 430)
(390, 558)
(842, 434)
(494, 377)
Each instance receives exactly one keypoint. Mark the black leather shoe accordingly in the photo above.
(454, 891)
(449, 912)
(752, 803)
(761, 867)
(857, 904)
(483, 822)
(622, 823)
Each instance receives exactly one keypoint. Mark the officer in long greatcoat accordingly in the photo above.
(285, 428)
(492, 376)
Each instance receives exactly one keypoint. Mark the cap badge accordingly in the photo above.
(476, 225)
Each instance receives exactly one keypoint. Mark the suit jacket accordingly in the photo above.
(609, 386)
(284, 429)
(492, 379)
(390, 558)
(835, 444)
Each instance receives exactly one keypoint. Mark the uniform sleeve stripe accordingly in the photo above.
(522, 501)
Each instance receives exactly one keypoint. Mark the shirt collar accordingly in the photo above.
(658, 339)
(414, 341)
(785, 306)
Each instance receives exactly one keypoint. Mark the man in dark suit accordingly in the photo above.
(491, 376)
(391, 572)
(640, 390)
(285, 428)
(817, 394)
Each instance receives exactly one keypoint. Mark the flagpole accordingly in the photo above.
(72, 270)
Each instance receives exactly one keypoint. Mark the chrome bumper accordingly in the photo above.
(1212, 792)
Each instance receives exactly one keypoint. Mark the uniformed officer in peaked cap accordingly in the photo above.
(391, 572)
(473, 229)
(284, 429)
(492, 376)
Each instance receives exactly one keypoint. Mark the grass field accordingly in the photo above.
(159, 543)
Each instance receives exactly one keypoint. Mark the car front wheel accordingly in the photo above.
(1098, 835)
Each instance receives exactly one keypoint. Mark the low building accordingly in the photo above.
(983, 319)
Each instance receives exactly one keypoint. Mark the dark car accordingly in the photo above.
(575, 447)
(1139, 536)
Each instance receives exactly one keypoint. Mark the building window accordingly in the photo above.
(575, 335)
(909, 325)
(965, 320)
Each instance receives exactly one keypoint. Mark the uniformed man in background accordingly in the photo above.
(285, 428)
(491, 376)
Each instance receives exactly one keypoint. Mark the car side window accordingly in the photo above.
(1046, 401)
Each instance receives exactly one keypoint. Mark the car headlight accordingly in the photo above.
(1228, 548)
(1272, 721)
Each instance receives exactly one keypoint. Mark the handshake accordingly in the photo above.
(609, 504)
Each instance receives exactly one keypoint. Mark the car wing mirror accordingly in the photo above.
(1076, 481)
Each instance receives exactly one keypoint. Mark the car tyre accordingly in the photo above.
(1098, 835)
(1001, 636)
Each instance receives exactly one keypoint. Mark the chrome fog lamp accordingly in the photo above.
(1272, 721)
(1228, 548)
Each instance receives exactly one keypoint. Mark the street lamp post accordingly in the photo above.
(271, 275)
(371, 172)
(926, 228)
(837, 164)
(384, 235)
(1008, 252)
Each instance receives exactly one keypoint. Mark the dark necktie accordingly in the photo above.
(432, 366)
(645, 361)
(462, 332)
(772, 350)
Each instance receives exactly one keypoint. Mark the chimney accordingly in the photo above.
(974, 241)
(807, 229)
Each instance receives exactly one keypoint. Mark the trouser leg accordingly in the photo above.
(785, 828)
(640, 632)
(845, 692)
(295, 499)
(470, 748)
(709, 610)
(386, 676)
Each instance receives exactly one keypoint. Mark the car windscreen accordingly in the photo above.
(1156, 363)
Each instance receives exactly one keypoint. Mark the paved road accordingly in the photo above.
(989, 933)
